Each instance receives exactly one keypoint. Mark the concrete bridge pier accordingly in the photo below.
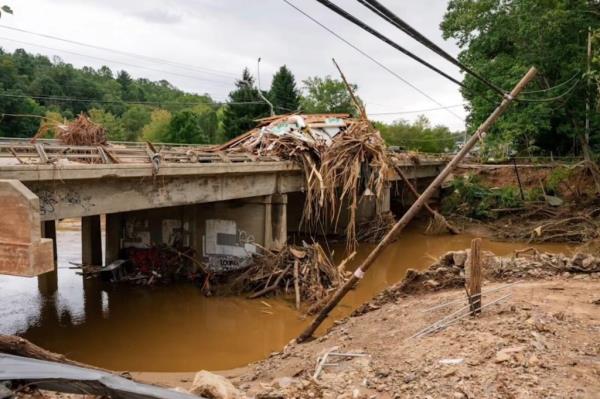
(48, 282)
(91, 240)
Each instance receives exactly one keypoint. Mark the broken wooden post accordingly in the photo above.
(416, 207)
(473, 277)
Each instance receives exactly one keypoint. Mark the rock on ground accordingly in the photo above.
(213, 386)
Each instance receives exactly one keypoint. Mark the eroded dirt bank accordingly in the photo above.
(540, 342)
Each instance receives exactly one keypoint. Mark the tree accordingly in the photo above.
(244, 107)
(419, 135)
(283, 94)
(189, 127)
(24, 74)
(501, 40)
(157, 129)
(134, 120)
(327, 96)
(112, 124)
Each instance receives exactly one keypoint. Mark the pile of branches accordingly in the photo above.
(160, 264)
(355, 166)
(552, 225)
(82, 131)
(340, 170)
(373, 231)
(305, 271)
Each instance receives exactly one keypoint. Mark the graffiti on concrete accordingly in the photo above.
(137, 233)
(225, 247)
(176, 233)
(49, 200)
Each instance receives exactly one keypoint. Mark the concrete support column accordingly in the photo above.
(91, 240)
(112, 245)
(268, 231)
(48, 282)
(383, 205)
(279, 220)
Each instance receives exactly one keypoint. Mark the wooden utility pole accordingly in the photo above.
(434, 213)
(473, 277)
(416, 207)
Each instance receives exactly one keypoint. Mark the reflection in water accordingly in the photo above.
(176, 328)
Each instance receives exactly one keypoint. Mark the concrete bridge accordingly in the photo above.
(221, 205)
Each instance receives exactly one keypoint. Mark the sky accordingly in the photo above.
(207, 43)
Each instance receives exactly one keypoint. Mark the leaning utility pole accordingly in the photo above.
(416, 206)
(588, 90)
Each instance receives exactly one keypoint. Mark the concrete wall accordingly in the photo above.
(234, 228)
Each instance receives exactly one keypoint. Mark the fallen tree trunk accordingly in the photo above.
(18, 346)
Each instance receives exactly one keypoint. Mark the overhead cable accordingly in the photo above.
(387, 40)
(392, 18)
(117, 62)
(416, 111)
(371, 58)
(126, 53)
(158, 103)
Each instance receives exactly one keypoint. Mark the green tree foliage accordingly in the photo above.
(33, 85)
(158, 128)
(327, 95)
(134, 120)
(245, 106)
(112, 124)
(501, 40)
(419, 135)
(284, 94)
(188, 126)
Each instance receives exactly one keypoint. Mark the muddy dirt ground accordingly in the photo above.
(541, 342)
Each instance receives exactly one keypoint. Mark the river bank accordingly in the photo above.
(539, 341)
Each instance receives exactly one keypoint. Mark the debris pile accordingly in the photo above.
(372, 231)
(162, 264)
(547, 224)
(305, 272)
(82, 131)
(344, 161)
(449, 271)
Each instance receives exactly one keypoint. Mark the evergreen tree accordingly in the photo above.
(245, 105)
(283, 94)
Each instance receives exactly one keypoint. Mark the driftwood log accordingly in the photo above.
(18, 346)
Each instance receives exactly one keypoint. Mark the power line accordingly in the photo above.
(393, 19)
(551, 99)
(371, 58)
(116, 62)
(158, 103)
(417, 111)
(387, 40)
(129, 54)
(553, 87)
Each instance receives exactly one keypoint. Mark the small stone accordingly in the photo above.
(449, 372)
(213, 386)
(409, 377)
(459, 258)
(533, 360)
(458, 395)
(507, 353)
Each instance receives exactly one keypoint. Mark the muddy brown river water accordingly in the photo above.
(176, 328)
